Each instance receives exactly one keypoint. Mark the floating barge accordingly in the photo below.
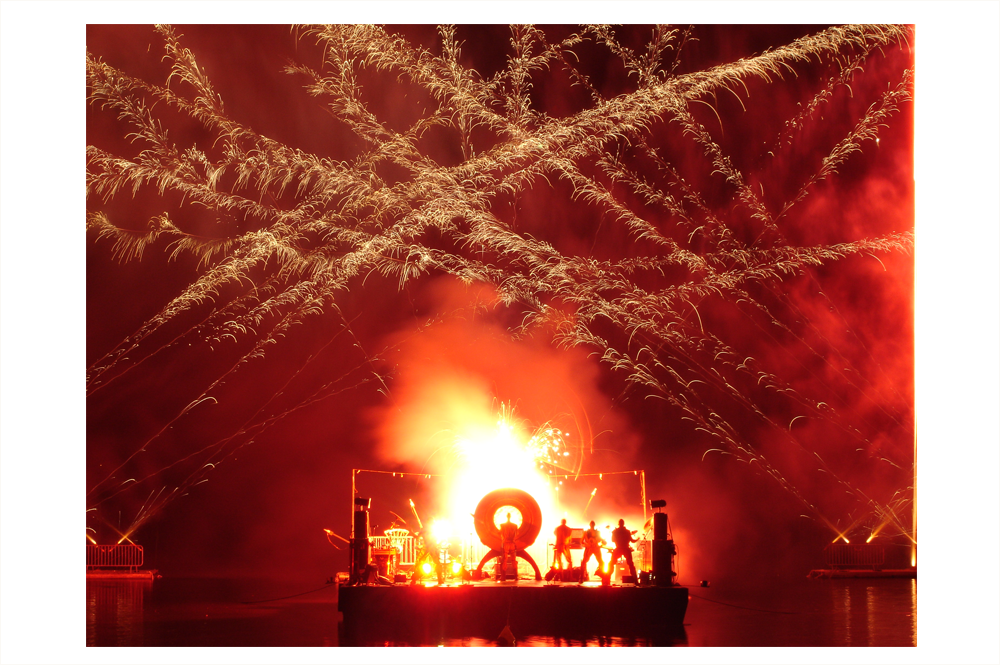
(527, 607)
(378, 603)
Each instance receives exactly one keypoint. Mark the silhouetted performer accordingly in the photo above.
(622, 537)
(563, 534)
(592, 542)
(508, 532)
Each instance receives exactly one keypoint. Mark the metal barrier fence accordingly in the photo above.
(844, 555)
(405, 545)
(128, 555)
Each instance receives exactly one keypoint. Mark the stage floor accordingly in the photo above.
(527, 606)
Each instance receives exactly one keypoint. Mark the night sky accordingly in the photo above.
(261, 446)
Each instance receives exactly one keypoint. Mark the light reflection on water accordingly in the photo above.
(115, 612)
(233, 613)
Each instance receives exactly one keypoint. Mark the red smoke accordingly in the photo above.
(453, 363)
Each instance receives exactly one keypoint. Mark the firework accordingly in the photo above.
(672, 231)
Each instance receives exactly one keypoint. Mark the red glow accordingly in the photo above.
(632, 290)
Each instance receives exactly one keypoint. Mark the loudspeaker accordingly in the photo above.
(359, 544)
(663, 551)
(659, 526)
(628, 579)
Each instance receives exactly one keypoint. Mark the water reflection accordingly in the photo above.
(209, 612)
(394, 637)
(240, 613)
(115, 612)
(806, 613)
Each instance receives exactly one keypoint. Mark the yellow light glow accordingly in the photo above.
(456, 567)
(500, 516)
(441, 530)
(427, 568)
(877, 530)
(492, 454)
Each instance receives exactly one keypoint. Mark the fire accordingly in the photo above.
(454, 429)
(502, 455)
(441, 530)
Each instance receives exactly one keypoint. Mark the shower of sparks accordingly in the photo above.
(549, 447)
(487, 459)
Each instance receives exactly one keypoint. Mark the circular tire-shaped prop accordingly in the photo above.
(531, 517)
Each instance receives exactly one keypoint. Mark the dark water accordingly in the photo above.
(250, 613)
(209, 612)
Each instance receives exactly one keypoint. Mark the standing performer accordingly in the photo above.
(563, 534)
(622, 537)
(592, 542)
(508, 532)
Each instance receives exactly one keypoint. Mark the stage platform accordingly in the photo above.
(529, 607)
(122, 575)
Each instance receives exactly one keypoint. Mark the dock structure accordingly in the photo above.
(527, 607)
(122, 575)
(122, 561)
(861, 560)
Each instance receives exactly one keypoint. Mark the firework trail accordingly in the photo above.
(673, 228)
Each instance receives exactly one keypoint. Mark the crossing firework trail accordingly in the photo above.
(708, 227)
